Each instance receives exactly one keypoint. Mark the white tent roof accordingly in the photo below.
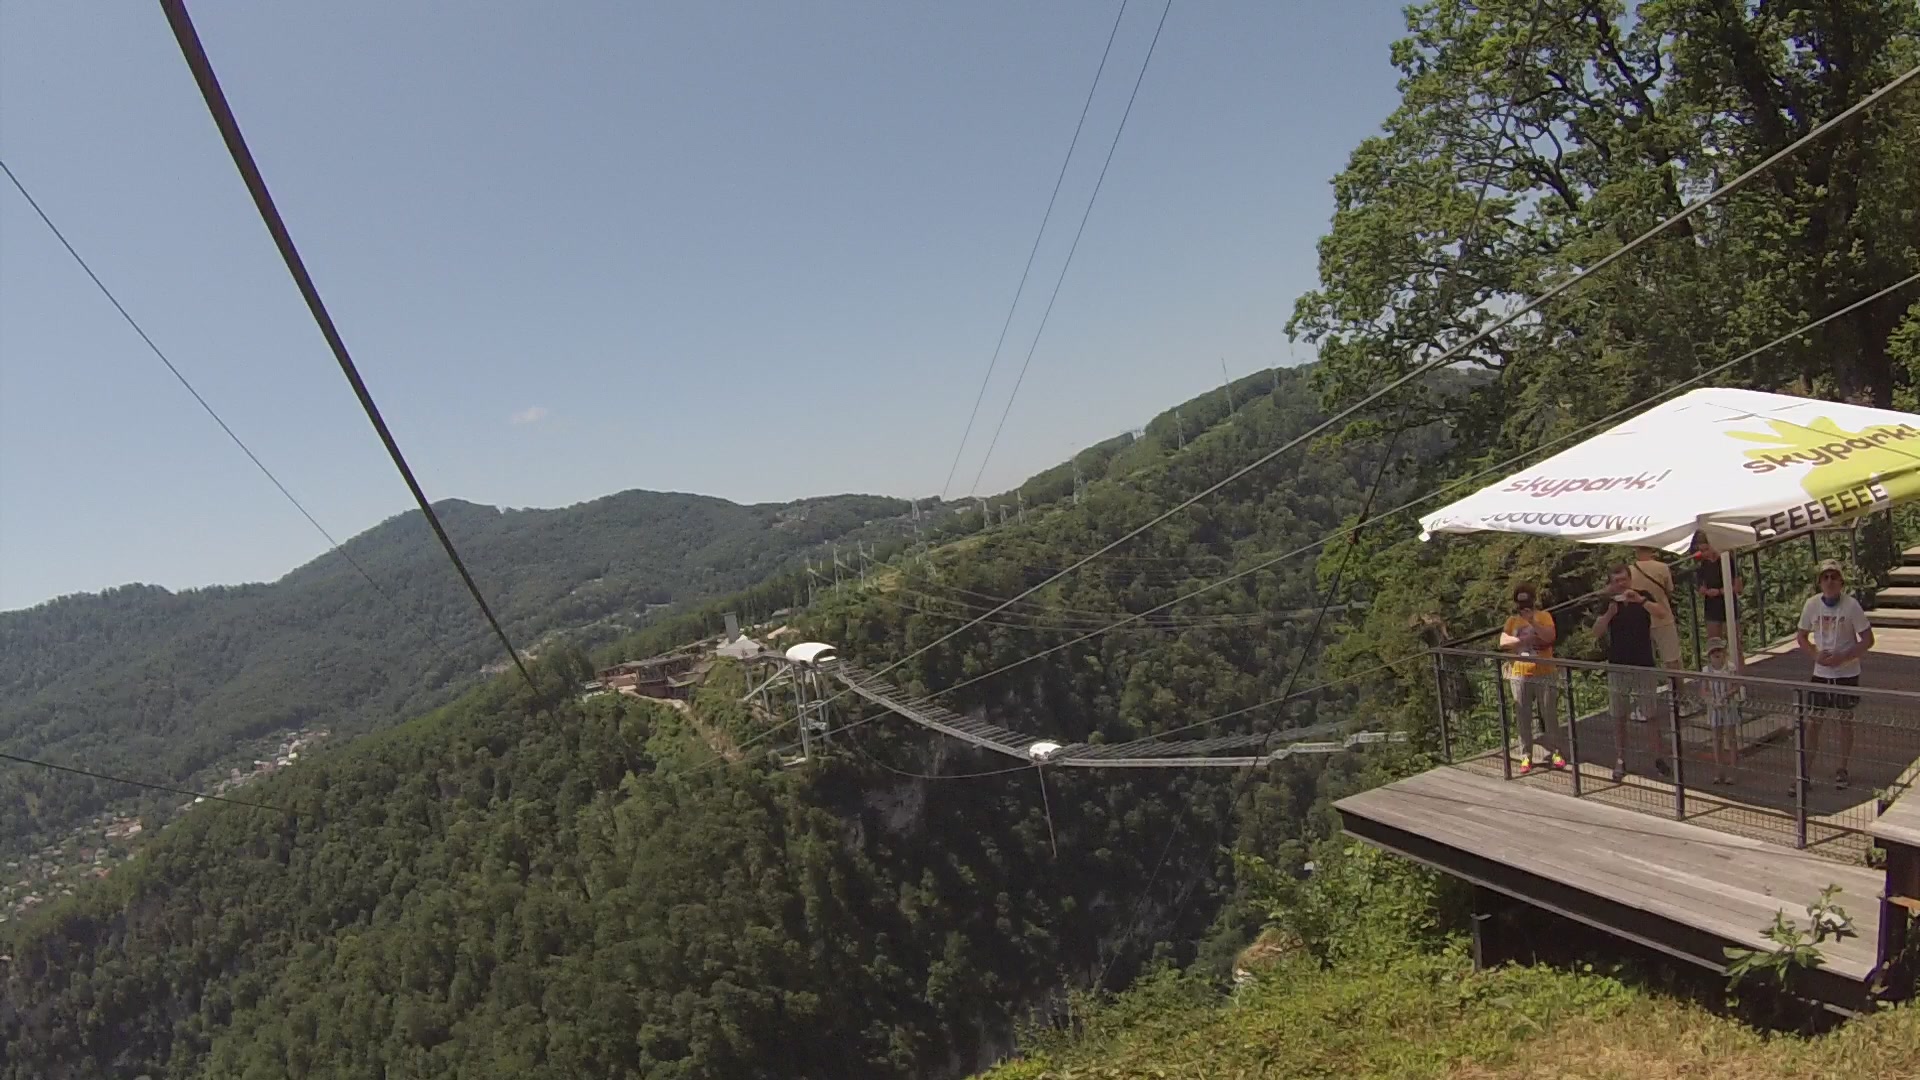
(740, 648)
(1743, 466)
(811, 652)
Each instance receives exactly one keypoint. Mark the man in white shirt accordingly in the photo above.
(1833, 630)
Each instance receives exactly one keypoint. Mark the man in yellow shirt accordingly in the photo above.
(1651, 578)
(1529, 635)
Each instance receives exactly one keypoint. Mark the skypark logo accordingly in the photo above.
(1547, 487)
(1612, 523)
(1815, 454)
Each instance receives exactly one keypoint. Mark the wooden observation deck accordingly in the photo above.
(1685, 891)
(1674, 862)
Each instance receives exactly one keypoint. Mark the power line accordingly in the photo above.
(1306, 649)
(1444, 489)
(1447, 355)
(877, 763)
(1292, 695)
(141, 783)
(332, 543)
(1075, 246)
(1028, 269)
(1453, 485)
(1066, 618)
(216, 100)
(1037, 626)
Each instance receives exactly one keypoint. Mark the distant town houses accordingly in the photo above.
(93, 849)
(281, 756)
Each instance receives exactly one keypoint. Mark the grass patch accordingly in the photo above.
(1433, 1016)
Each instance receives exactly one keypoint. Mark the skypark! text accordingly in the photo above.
(1546, 487)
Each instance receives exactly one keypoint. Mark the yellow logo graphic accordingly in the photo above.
(1845, 473)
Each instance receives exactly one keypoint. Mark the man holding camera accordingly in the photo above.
(1633, 676)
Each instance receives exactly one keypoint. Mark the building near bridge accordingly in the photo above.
(672, 675)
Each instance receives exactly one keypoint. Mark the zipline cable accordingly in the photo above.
(75, 770)
(216, 100)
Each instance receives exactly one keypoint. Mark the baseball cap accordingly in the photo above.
(1831, 566)
(1716, 645)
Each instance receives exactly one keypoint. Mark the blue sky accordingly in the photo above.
(756, 251)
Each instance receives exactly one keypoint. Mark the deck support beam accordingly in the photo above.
(1492, 929)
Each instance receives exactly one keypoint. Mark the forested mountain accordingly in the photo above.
(521, 886)
(167, 686)
(526, 885)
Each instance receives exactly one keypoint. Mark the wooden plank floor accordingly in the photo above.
(1758, 805)
(1680, 888)
(1901, 822)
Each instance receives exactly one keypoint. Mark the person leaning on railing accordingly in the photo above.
(1633, 678)
(1529, 635)
(1835, 631)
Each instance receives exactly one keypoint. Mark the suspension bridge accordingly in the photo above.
(812, 666)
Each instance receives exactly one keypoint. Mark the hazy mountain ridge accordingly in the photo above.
(161, 685)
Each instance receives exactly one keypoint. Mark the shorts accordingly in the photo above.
(1826, 699)
(1630, 687)
(1724, 717)
(1666, 644)
(1714, 608)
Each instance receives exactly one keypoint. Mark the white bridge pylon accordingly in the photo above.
(1216, 752)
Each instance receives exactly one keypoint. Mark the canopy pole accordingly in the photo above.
(1730, 602)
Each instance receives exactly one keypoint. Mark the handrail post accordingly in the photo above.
(1440, 706)
(1506, 721)
(1759, 603)
(1573, 732)
(1694, 613)
(1679, 752)
(1799, 768)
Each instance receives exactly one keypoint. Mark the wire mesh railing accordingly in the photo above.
(1770, 583)
(1799, 763)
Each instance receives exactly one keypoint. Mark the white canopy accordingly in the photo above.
(811, 652)
(740, 648)
(1742, 466)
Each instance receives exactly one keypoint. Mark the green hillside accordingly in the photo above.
(522, 884)
(174, 687)
(1435, 1017)
(521, 887)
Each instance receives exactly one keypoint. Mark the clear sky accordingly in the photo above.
(757, 251)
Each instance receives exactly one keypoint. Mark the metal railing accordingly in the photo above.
(1775, 581)
(1786, 761)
